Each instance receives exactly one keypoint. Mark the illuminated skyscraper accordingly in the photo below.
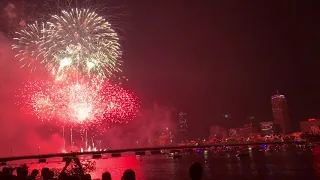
(280, 113)
(183, 125)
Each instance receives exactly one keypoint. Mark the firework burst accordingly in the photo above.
(79, 49)
(78, 41)
(83, 103)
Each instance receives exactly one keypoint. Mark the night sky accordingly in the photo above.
(213, 58)
(209, 58)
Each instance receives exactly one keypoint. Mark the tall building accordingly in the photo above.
(183, 126)
(280, 113)
(309, 126)
(267, 128)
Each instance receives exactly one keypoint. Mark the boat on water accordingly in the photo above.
(242, 155)
(175, 155)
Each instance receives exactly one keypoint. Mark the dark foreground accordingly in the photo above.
(275, 165)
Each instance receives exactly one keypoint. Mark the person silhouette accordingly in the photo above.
(87, 177)
(33, 174)
(106, 176)
(195, 171)
(22, 172)
(7, 172)
(63, 176)
(50, 175)
(129, 174)
(45, 173)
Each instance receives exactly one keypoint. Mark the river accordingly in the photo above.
(286, 164)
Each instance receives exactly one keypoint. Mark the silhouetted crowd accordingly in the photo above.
(195, 173)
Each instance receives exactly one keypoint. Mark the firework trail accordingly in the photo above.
(78, 42)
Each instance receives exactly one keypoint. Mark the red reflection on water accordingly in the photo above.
(116, 166)
(316, 157)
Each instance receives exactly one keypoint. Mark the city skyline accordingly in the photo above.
(242, 63)
(280, 123)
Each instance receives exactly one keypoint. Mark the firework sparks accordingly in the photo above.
(76, 42)
(79, 103)
(35, 97)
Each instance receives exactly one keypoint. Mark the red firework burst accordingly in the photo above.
(91, 102)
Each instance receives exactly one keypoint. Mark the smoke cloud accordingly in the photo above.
(9, 11)
(18, 130)
(12, 17)
(149, 124)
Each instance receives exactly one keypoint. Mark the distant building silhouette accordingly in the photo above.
(234, 133)
(312, 125)
(267, 128)
(164, 140)
(248, 130)
(218, 132)
(280, 113)
(183, 126)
